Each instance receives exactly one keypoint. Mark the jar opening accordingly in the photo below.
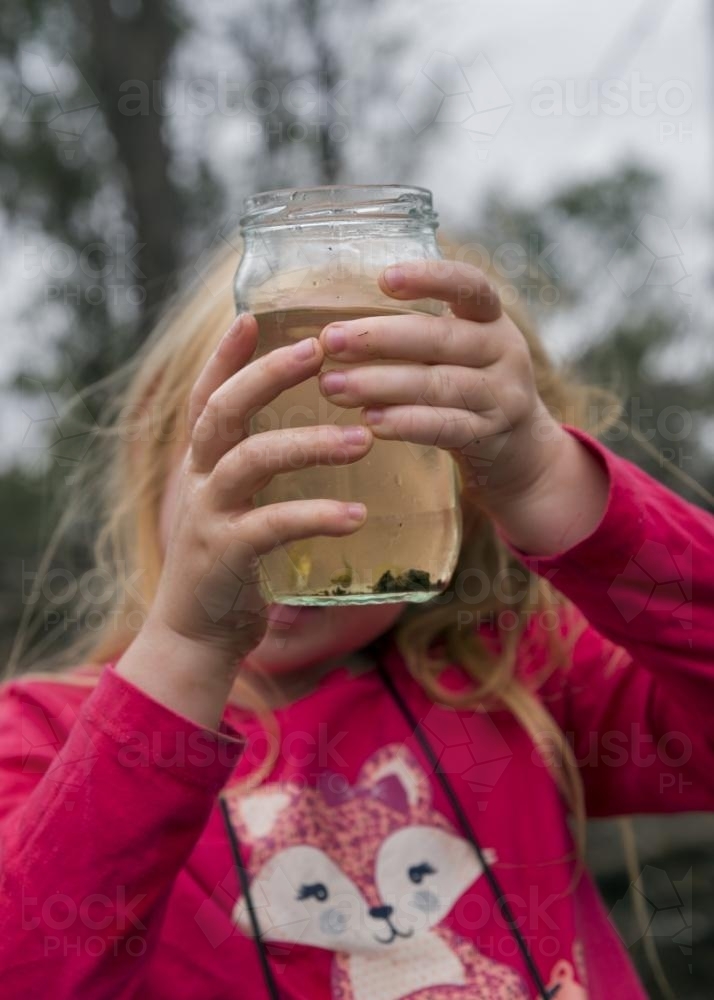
(346, 202)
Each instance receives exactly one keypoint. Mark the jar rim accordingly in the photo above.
(336, 202)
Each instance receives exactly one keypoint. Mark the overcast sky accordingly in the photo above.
(610, 41)
(640, 71)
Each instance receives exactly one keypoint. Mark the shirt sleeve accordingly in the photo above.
(637, 702)
(100, 806)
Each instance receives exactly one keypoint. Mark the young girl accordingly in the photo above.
(230, 800)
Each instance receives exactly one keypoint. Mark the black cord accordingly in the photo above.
(268, 977)
(467, 829)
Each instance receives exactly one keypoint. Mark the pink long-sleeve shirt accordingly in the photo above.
(118, 881)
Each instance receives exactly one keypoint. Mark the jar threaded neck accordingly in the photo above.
(339, 203)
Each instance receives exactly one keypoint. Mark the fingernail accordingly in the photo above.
(374, 416)
(231, 333)
(332, 382)
(354, 434)
(335, 339)
(357, 511)
(394, 278)
(305, 349)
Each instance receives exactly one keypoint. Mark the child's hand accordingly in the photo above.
(208, 612)
(209, 586)
(466, 384)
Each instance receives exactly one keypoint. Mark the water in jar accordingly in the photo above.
(407, 547)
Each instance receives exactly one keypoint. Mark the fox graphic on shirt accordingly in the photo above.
(368, 872)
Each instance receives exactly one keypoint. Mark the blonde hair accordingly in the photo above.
(146, 421)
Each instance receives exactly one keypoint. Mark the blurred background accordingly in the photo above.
(568, 147)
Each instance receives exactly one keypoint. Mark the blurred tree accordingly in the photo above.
(93, 172)
(289, 78)
(88, 180)
(87, 186)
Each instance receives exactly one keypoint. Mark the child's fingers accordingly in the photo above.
(233, 351)
(436, 426)
(467, 289)
(432, 385)
(249, 466)
(413, 337)
(224, 419)
(265, 528)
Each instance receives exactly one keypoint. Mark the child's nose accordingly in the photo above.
(381, 912)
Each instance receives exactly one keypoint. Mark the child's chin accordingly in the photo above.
(286, 647)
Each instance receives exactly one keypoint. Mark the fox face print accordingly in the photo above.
(368, 871)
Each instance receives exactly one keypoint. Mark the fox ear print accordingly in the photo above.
(257, 814)
(399, 764)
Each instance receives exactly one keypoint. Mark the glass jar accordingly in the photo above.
(311, 257)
